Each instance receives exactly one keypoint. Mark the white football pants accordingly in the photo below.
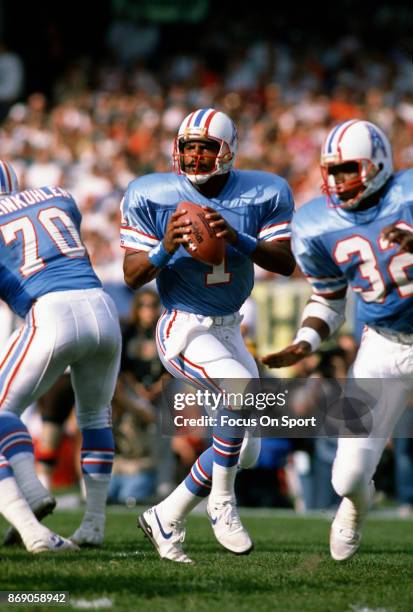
(210, 352)
(79, 329)
(391, 363)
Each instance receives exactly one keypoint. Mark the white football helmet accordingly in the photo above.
(8, 179)
(365, 144)
(207, 124)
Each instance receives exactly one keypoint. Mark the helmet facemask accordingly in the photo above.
(348, 193)
(200, 172)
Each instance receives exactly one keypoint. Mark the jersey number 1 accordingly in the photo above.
(219, 274)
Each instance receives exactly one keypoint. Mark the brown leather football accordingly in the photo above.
(203, 243)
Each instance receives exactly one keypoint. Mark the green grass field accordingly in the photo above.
(290, 568)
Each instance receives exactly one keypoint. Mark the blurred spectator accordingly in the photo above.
(134, 468)
(348, 344)
(265, 485)
(141, 366)
(43, 170)
(314, 460)
(403, 462)
(143, 374)
(11, 78)
(55, 408)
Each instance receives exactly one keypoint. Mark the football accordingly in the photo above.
(203, 243)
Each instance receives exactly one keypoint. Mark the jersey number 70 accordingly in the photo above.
(24, 226)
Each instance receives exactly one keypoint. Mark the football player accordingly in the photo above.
(350, 237)
(16, 444)
(47, 279)
(198, 335)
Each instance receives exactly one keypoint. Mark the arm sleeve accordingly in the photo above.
(74, 211)
(275, 223)
(320, 270)
(137, 229)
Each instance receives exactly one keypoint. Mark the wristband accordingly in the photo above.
(159, 256)
(310, 335)
(245, 244)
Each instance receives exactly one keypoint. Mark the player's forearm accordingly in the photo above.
(141, 267)
(273, 256)
(138, 270)
(313, 331)
(319, 325)
(321, 318)
(280, 260)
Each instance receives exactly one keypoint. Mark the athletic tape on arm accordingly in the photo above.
(329, 311)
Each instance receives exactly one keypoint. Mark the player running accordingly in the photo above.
(344, 239)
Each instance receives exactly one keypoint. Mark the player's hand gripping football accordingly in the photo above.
(287, 357)
(396, 235)
(221, 227)
(176, 231)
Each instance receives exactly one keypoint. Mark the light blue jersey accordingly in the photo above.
(40, 247)
(259, 204)
(335, 247)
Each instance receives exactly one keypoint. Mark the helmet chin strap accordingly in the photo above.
(352, 203)
(198, 179)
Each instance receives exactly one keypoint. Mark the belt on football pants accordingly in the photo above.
(236, 317)
(399, 337)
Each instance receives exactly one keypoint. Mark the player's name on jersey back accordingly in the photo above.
(29, 197)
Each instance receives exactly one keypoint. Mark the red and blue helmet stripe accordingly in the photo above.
(201, 118)
(8, 179)
(332, 143)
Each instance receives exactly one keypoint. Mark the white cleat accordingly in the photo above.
(344, 542)
(227, 526)
(40, 509)
(91, 531)
(167, 537)
(50, 542)
(345, 532)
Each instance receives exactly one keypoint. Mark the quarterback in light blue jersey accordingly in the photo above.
(46, 278)
(257, 204)
(198, 335)
(359, 234)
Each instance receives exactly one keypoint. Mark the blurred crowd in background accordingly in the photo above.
(92, 119)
